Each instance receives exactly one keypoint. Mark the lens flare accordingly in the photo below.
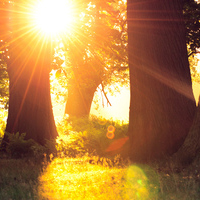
(110, 134)
(141, 183)
(117, 144)
(111, 129)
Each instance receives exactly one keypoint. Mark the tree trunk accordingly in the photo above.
(30, 108)
(162, 104)
(80, 97)
(191, 146)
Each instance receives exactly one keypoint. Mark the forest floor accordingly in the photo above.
(87, 178)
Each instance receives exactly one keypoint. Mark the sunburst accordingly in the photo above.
(53, 17)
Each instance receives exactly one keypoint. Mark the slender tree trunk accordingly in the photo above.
(162, 104)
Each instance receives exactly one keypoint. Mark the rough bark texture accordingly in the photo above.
(30, 108)
(162, 105)
(191, 146)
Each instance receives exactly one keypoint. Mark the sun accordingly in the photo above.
(53, 17)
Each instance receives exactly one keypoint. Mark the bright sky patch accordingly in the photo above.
(54, 16)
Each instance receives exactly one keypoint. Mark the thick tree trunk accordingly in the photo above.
(191, 146)
(30, 108)
(162, 104)
(79, 100)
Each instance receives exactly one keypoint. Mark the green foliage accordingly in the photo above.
(4, 51)
(191, 13)
(76, 144)
(82, 136)
(101, 56)
(50, 147)
(4, 82)
(18, 146)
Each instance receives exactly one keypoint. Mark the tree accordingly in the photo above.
(3, 55)
(191, 13)
(96, 55)
(3, 76)
(162, 105)
(30, 109)
(84, 73)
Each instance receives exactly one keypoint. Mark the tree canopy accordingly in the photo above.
(191, 13)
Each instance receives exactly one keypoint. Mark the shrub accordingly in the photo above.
(18, 147)
(77, 143)
(79, 136)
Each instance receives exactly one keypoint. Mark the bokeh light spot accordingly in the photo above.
(102, 121)
(111, 129)
(140, 183)
(110, 135)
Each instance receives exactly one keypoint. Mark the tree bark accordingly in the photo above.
(79, 99)
(162, 104)
(191, 146)
(30, 108)
(82, 85)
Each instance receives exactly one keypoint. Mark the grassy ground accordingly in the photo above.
(91, 177)
(79, 178)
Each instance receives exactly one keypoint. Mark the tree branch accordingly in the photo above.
(108, 102)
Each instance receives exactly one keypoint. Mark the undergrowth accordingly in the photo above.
(89, 136)
(77, 137)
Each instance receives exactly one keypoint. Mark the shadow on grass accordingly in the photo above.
(19, 178)
(78, 179)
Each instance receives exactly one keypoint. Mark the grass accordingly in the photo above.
(78, 178)
(18, 179)
(82, 169)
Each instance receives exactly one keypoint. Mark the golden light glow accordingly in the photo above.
(66, 178)
(54, 16)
